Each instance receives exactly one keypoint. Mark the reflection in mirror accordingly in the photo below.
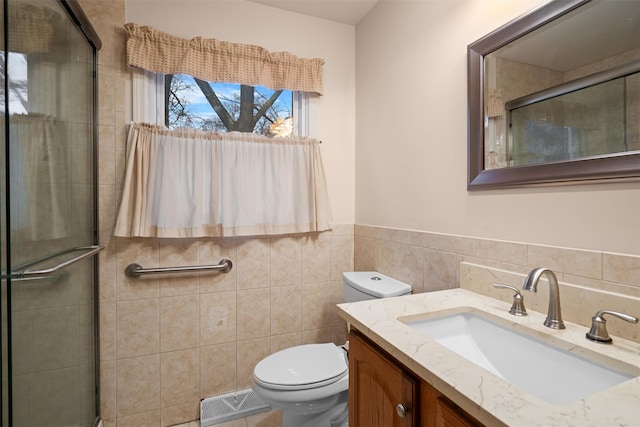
(572, 125)
(559, 89)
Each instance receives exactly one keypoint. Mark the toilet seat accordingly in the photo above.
(302, 367)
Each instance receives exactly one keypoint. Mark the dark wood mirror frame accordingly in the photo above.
(613, 166)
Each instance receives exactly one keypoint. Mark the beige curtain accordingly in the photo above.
(190, 183)
(39, 175)
(494, 105)
(220, 61)
(32, 27)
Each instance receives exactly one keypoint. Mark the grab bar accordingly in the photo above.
(91, 250)
(136, 270)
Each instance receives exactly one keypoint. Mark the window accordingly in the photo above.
(226, 107)
(181, 100)
(17, 85)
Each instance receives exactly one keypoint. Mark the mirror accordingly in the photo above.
(554, 96)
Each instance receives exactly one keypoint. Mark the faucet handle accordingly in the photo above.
(517, 308)
(598, 331)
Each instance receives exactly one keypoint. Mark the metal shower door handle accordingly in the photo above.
(90, 250)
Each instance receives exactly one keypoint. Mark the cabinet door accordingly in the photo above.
(438, 411)
(377, 386)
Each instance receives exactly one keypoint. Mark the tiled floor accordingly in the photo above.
(267, 419)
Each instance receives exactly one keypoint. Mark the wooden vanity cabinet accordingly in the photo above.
(438, 411)
(377, 385)
(383, 393)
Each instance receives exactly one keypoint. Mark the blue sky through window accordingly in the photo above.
(198, 106)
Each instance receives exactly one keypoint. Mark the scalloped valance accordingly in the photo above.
(220, 61)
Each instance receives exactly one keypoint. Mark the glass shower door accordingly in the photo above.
(49, 232)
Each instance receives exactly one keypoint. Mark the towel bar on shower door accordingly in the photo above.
(24, 274)
(136, 270)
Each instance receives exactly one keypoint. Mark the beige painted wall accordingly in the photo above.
(412, 134)
(277, 30)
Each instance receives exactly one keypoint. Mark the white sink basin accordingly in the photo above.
(541, 369)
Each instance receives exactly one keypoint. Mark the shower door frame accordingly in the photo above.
(80, 20)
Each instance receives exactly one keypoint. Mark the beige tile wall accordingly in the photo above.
(590, 280)
(167, 342)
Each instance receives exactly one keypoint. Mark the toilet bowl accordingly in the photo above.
(309, 383)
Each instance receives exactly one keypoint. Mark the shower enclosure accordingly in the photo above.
(48, 231)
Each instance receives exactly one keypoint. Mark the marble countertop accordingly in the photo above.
(485, 396)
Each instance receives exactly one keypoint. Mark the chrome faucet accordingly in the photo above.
(554, 317)
(598, 331)
(517, 307)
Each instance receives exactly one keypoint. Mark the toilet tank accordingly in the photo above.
(366, 285)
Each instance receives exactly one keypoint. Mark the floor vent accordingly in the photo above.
(227, 407)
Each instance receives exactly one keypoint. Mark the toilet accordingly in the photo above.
(309, 383)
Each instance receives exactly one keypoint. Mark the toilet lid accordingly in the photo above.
(375, 284)
(302, 367)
